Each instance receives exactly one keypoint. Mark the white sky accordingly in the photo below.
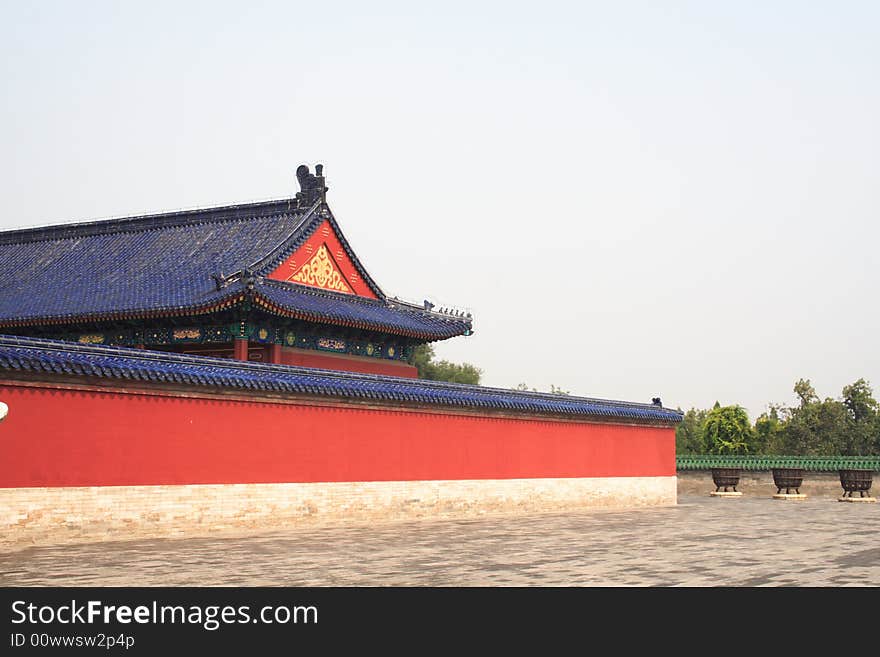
(633, 199)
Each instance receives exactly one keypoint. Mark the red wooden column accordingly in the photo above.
(240, 349)
(275, 354)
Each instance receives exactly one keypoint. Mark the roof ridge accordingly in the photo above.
(320, 291)
(294, 237)
(144, 222)
(318, 213)
(393, 303)
(364, 274)
(403, 388)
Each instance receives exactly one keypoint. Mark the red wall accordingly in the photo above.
(88, 438)
(348, 363)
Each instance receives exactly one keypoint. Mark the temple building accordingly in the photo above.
(273, 282)
(238, 367)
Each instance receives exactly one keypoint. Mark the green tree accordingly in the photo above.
(814, 427)
(689, 435)
(831, 428)
(422, 358)
(769, 431)
(727, 430)
(861, 424)
(875, 449)
(859, 401)
(805, 392)
(848, 426)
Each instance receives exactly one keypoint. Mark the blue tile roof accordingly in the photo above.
(183, 262)
(29, 355)
(386, 315)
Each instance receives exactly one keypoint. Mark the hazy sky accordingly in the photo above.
(633, 198)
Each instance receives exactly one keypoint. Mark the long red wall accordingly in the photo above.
(94, 438)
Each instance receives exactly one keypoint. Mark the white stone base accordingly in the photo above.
(31, 516)
(789, 496)
(725, 493)
(866, 500)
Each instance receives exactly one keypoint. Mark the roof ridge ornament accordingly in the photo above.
(311, 185)
(220, 280)
(248, 279)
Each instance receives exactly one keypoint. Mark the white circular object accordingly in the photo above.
(4, 409)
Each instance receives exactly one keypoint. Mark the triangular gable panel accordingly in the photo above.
(322, 262)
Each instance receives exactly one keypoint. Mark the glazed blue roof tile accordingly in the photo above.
(341, 308)
(30, 355)
(166, 264)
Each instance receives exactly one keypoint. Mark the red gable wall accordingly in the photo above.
(329, 269)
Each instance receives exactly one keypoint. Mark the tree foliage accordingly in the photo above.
(847, 426)
(422, 359)
(727, 430)
(805, 392)
(768, 431)
(689, 437)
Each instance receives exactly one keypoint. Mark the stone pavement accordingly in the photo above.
(750, 541)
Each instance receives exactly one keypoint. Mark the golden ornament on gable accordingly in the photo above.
(321, 271)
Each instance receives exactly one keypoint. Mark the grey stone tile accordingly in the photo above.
(702, 542)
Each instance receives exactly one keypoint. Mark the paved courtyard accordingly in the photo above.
(751, 541)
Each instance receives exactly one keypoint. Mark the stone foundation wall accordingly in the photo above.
(760, 483)
(39, 516)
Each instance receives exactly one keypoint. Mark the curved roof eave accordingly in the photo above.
(52, 357)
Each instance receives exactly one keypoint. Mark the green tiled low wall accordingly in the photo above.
(813, 463)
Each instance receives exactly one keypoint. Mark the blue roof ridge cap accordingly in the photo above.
(275, 297)
(137, 223)
(356, 298)
(396, 304)
(301, 232)
(306, 228)
(330, 375)
(321, 292)
(407, 306)
(364, 274)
